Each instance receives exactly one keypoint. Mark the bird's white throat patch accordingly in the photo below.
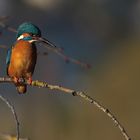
(20, 37)
(27, 38)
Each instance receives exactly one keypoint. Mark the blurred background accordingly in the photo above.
(104, 33)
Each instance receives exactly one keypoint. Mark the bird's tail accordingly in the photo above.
(21, 88)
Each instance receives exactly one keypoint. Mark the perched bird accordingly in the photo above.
(22, 56)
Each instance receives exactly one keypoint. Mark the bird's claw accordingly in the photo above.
(29, 81)
(16, 80)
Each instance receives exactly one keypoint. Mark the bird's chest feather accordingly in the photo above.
(23, 57)
(22, 53)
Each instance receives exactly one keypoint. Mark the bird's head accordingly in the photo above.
(30, 32)
(29, 28)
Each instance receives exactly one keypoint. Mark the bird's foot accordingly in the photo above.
(16, 80)
(29, 81)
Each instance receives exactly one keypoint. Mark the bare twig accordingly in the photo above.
(76, 93)
(88, 98)
(8, 27)
(13, 112)
(3, 46)
(59, 51)
(3, 25)
(3, 18)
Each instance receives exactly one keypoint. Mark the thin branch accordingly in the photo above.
(13, 112)
(8, 27)
(59, 51)
(75, 93)
(3, 46)
(3, 25)
(88, 98)
(3, 18)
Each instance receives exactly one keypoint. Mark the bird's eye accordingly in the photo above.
(31, 34)
(36, 35)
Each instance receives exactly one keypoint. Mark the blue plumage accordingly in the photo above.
(28, 27)
(8, 57)
(27, 38)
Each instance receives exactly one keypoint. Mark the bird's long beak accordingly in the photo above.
(44, 40)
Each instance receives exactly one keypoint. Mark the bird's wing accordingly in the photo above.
(8, 58)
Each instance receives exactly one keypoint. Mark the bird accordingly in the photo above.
(22, 56)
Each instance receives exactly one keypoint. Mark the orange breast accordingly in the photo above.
(23, 60)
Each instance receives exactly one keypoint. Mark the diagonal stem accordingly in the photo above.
(88, 98)
(57, 50)
(13, 112)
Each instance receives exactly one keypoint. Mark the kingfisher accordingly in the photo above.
(21, 57)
